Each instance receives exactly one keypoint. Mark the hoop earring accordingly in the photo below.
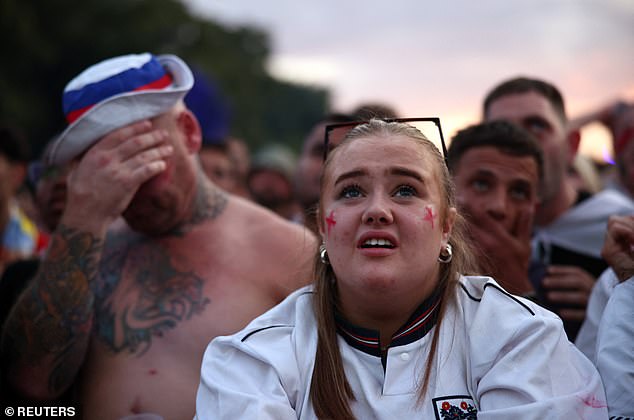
(323, 255)
(446, 256)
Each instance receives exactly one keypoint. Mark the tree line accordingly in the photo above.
(45, 43)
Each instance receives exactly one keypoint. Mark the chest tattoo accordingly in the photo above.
(141, 294)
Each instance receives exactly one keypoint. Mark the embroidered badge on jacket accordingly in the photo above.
(455, 407)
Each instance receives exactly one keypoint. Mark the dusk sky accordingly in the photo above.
(438, 58)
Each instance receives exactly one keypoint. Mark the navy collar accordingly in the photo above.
(416, 327)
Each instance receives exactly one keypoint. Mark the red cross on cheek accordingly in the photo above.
(429, 215)
(330, 221)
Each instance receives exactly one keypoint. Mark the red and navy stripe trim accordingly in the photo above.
(151, 75)
(417, 326)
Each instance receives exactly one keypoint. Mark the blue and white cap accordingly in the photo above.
(117, 92)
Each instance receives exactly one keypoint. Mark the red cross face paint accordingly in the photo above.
(378, 193)
(430, 215)
(330, 221)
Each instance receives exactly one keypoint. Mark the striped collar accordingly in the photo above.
(416, 327)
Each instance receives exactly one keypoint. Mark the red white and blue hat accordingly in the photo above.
(117, 92)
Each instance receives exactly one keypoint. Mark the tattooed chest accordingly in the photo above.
(140, 295)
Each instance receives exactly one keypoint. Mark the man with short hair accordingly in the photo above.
(270, 181)
(497, 169)
(569, 226)
(150, 260)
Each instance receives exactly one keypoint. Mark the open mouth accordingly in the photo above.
(377, 243)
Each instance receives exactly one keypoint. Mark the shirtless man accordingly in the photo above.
(126, 306)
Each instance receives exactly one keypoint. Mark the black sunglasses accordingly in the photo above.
(336, 132)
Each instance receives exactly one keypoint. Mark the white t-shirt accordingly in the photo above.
(586, 340)
(501, 356)
(582, 228)
(615, 350)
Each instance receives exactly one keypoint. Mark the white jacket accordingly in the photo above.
(501, 355)
(586, 340)
(615, 350)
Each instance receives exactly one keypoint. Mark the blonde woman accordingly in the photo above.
(392, 328)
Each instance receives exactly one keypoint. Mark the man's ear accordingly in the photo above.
(191, 130)
(574, 140)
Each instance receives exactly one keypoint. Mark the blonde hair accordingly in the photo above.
(330, 391)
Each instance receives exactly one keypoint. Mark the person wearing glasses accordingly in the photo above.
(392, 326)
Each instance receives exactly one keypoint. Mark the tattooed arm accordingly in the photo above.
(47, 333)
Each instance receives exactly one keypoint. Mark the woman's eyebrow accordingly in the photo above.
(351, 174)
(400, 171)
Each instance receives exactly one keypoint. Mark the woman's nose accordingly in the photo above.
(378, 212)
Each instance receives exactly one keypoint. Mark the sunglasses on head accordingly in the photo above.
(429, 126)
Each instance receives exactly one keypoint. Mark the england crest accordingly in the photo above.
(455, 407)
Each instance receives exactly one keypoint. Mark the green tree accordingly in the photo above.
(46, 43)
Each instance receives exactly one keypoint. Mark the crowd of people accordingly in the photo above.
(394, 279)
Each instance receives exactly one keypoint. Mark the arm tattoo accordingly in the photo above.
(52, 319)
